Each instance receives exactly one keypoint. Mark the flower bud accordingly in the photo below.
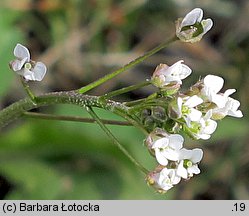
(159, 113)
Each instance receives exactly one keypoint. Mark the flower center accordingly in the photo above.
(188, 163)
(28, 66)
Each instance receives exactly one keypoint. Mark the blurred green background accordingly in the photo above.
(80, 41)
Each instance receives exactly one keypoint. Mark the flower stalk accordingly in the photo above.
(115, 141)
(44, 116)
(126, 67)
(27, 89)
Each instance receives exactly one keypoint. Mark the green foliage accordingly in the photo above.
(8, 37)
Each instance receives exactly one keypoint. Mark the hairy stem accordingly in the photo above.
(17, 109)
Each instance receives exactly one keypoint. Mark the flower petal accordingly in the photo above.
(185, 154)
(171, 154)
(197, 155)
(176, 141)
(39, 71)
(181, 171)
(161, 143)
(192, 17)
(193, 101)
(207, 25)
(194, 115)
(17, 65)
(21, 52)
(210, 126)
(160, 158)
(214, 82)
(27, 74)
(193, 170)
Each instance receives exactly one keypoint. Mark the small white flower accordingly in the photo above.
(204, 128)
(230, 109)
(167, 179)
(186, 108)
(188, 164)
(212, 85)
(225, 104)
(25, 67)
(191, 28)
(165, 75)
(167, 148)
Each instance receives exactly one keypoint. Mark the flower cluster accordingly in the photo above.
(194, 113)
(25, 67)
(175, 162)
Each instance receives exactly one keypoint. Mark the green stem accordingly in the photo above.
(126, 89)
(115, 141)
(72, 118)
(17, 109)
(126, 67)
(27, 89)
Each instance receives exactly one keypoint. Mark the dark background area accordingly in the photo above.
(82, 40)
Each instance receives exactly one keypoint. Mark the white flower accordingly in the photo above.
(212, 85)
(25, 67)
(225, 104)
(191, 28)
(167, 179)
(186, 108)
(165, 75)
(167, 148)
(188, 164)
(230, 109)
(204, 128)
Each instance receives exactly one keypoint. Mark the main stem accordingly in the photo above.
(126, 67)
(19, 108)
(115, 141)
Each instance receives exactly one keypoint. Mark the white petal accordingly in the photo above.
(185, 154)
(192, 17)
(197, 155)
(185, 71)
(179, 104)
(39, 71)
(207, 25)
(195, 115)
(208, 115)
(17, 65)
(214, 82)
(193, 101)
(211, 126)
(161, 143)
(27, 74)
(21, 52)
(237, 114)
(176, 141)
(193, 170)
(160, 158)
(176, 180)
(219, 100)
(228, 92)
(203, 136)
(171, 154)
(173, 69)
(181, 171)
